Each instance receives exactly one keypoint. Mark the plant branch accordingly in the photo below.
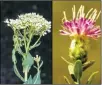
(34, 45)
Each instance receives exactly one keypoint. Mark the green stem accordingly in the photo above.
(25, 40)
(26, 75)
(34, 45)
(78, 81)
(27, 48)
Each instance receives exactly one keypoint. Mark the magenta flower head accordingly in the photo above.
(82, 25)
(80, 29)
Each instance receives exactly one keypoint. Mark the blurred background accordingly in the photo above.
(61, 43)
(10, 10)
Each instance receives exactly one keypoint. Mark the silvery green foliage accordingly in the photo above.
(25, 27)
(27, 62)
(30, 20)
(35, 80)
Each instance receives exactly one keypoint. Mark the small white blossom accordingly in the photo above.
(6, 21)
(31, 20)
(37, 58)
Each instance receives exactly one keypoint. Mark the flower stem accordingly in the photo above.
(78, 80)
(26, 75)
(36, 42)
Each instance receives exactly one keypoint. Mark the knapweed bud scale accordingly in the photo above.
(77, 50)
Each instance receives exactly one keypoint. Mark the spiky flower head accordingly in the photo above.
(36, 22)
(82, 25)
(80, 29)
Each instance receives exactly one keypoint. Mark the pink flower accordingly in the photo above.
(81, 25)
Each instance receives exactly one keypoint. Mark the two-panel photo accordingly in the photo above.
(54, 42)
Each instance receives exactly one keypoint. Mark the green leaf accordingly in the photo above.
(14, 66)
(91, 77)
(27, 62)
(71, 71)
(35, 45)
(29, 81)
(41, 64)
(36, 78)
(17, 73)
(78, 70)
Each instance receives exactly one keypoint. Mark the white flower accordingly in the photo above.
(37, 58)
(6, 21)
(32, 20)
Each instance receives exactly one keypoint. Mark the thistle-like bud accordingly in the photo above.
(78, 50)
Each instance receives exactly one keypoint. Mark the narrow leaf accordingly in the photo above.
(66, 60)
(66, 79)
(91, 77)
(29, 81)
(36, 78)
(88, 64)
(17, 73)
(35, 45)
(41, 64)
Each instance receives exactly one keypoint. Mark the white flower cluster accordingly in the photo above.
(30, 20)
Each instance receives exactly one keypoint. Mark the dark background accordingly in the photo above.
(10, 9)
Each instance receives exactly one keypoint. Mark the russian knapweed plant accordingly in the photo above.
(80, 29)
(26, 27)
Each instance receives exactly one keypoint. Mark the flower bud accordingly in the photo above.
(78, 50)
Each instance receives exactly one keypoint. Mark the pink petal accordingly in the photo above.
(78, 31)
(62, 32)
(68, 25)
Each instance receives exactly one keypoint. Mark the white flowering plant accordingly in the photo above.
(26, 27)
